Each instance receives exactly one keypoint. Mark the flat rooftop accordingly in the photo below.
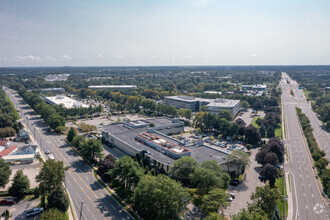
(225, 103)
(200, 153)
(187, 98)
(65, 101)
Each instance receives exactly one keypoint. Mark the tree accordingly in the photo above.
(270, 132)
(238, 159)
(126, 174)
(51, 176)
(58, 200)
(213, 201)
(188, 114)
(71, 134)
(240, 122)
(106, 164)
(245, 104)
(78, 141)
(214, 216)
(321, 164)
(5, 173)
(262, 131)
(92, 150)
(52, 214)
(199, 120)
(264, 199)
(276, 146)
(205, 180)
(20, 186)
(183, 168)
(212, 165)
(244, 214)
(252, 135)
(226, 114)
(270, 172)
(270, 158)
(160, 197)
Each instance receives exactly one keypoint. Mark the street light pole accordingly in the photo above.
(81, 210)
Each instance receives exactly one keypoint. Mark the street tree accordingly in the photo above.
(215, 200)
(244, 214)
(51, 176)
(205, 180)
(58, 200)
(106, 164)
(92, 150)
(183, 168)
(160, 197)
(276, 146)
(126, 174)
(71, 134)
(20, 186)
(270, 173)
(78, 141)
(264, 199)
(5, 173)
(52, 214)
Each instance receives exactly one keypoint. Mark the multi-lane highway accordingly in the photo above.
(306, 190)
(90, 200)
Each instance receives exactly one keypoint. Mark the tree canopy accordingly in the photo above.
(52, 214)
(21, 184)
(183, 168)
(5, 173)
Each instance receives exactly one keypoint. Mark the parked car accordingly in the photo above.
(47, 152)
(8, 201)
(34, 211)
(232, 195)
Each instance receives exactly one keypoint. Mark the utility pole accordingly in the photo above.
(82, 203)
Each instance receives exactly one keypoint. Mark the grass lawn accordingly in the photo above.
(254, 122)
(278, 131)
(279, 184)
(307, 93)
(16, 113)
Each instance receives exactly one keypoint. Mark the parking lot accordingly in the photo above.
(29, 169)
(246, 116)
(244, 190)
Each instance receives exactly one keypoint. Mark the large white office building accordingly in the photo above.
(212, 105)
(65, 101)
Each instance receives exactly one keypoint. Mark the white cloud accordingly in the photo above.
(119, 56)
(253, 55)
(64, 56)
(29, 57)
(100, 56)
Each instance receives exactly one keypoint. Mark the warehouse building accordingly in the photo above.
(65, 101)
(254, 88)
(138, 138)
(212, 105)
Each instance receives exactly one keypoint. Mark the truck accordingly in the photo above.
(34, 211)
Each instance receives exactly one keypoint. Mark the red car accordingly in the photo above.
(8, 201)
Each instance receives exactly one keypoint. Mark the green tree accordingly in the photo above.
(52, 214)
(245, 104)
(188, 114)
(252, 135)
(214, 216)
(51, 176)
(20, 186)
(270, 132)
(92, 150)
(213, 201)
(58, 200)
(5, 173)
(264, 199)
(205, 180)
(244, 214)
(262, 131)
(78, 141)
(270, 172)
(71, 134)
(239, 159)
(160, 197)
(226, 114)
(126, 174)
(183, 168)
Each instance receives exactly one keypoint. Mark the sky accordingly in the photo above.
(164, 32)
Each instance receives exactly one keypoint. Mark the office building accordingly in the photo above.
(113, 87)
(254, 88)
(65, 101)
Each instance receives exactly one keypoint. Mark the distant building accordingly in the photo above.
(212, 105)
(65, 101)
(54, 90)
(113, 87)
(254, 87)
(159, 150)
(212, 92)
(56, 77)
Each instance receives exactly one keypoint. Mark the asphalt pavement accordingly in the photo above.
(308, 202)
(90, 199)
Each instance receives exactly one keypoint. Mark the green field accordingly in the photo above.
(16, 113)
(278, 131)
(254, 122)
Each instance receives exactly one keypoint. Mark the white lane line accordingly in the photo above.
(86, 177)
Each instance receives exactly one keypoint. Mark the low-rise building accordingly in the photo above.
(159, 150)
(65, 101)
(212, 105)
(22, 135)
(8, 151)
(254, 87)
(54, 90)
